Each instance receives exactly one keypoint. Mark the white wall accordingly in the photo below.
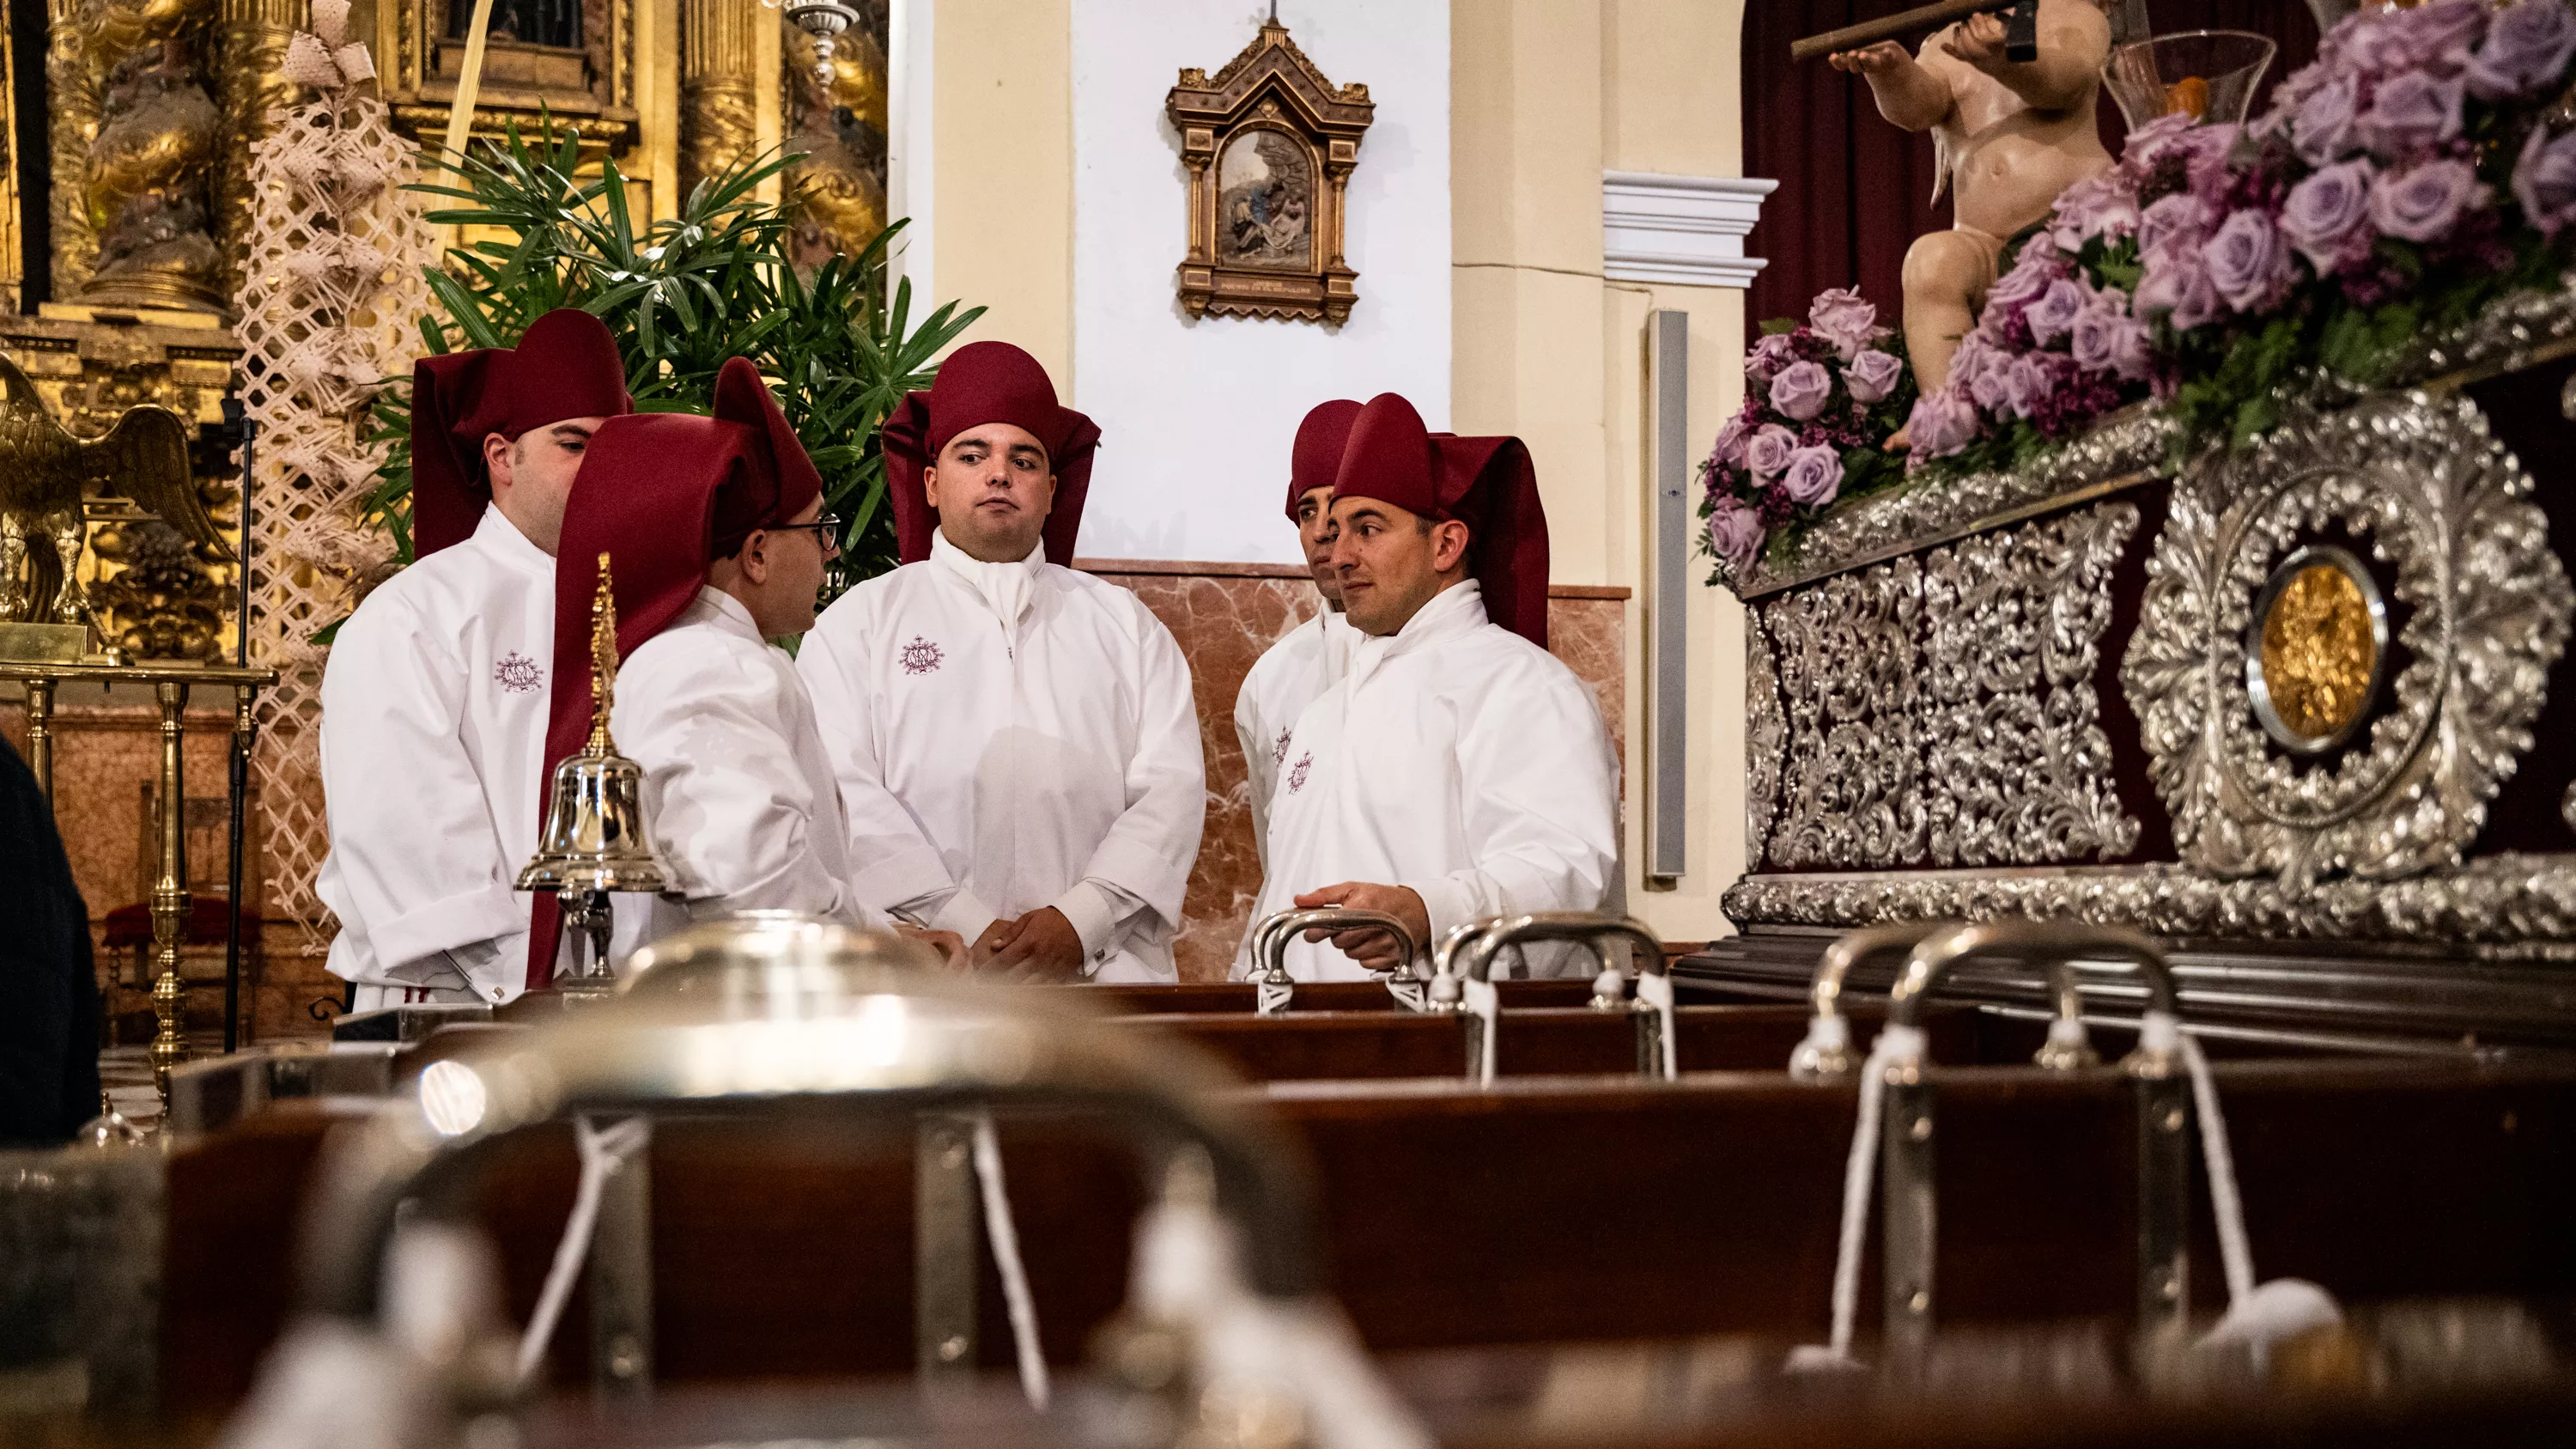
(1167, 485)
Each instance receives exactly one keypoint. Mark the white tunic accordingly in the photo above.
(738, 796)
(1455, 758)
(1008, 737)
(1288, 676)
(433, 736)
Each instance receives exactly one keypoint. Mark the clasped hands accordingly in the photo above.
(1040, 946)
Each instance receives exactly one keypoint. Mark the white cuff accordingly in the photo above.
(963, 913)
(1087, 907)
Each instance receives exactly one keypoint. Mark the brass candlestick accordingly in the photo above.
(594, 840)
(170, 893)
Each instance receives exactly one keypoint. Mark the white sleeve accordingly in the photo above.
(1151, 846)
(1540, 790)
(731, 815)
(1260, 774)
(893, 865)
(415, 854)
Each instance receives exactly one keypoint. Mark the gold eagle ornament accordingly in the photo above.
(45, 472)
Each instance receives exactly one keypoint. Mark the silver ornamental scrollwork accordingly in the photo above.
(2503, 905)
(1764, 732)
(1943, 709)
(2434, 498)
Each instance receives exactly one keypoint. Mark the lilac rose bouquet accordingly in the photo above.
(1821, 399)
(2404, 180)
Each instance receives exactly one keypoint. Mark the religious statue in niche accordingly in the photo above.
(2009, 99)
(1270, 145)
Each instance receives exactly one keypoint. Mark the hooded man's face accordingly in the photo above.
(993, 487)
(532, 475)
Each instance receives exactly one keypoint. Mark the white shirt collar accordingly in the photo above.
(1004, 586)
(714, 606)
(1453, 611)
(501, 538)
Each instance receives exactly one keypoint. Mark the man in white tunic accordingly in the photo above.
(1016, 743)
(1310, 658)
(717, 541)
(434, 701)
(1458, 770)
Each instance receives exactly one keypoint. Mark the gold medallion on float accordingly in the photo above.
(2317, 650)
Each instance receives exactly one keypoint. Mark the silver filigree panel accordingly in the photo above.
(1764, 734)
(2421, 485)
(1942, 709)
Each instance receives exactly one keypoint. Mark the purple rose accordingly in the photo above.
(2526, 50)
(2133, 351)
(1770, 355)
(1801, 389)
(2175, 282)
(1941, 424)
(1872, 376)
(2206, 153)
(2149, 145)
(2376, 47)
(2440, 32)
(2247, 262)
(2055, 311)
(1730, 441)
(1842, 318)
(1768, 450)
(1990, 386)
(1735, 534)
(2030, 379)
(1813, 477)
(2098, 206)
(2029, 277)
(2089, 340)
(2176, 220)
(2544, 180)
(2424, 204)
(2412, 112)
(2327, 216)
(2322, 127)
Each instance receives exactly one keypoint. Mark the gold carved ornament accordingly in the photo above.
(2321, 633)
(1270, 145)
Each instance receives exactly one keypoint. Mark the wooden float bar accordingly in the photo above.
(1546, 1209)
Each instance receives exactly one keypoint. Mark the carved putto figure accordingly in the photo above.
(2010, 136)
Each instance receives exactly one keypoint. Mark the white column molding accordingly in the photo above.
(910, 172)
(1680, 230)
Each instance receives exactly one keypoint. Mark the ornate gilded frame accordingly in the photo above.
(591, 89)
(1270, 87)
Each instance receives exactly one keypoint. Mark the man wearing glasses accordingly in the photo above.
(717, 542)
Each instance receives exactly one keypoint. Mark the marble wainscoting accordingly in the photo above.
(1224, 616)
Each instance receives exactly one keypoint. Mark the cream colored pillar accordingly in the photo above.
(1002, 158)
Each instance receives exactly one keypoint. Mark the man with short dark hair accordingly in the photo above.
(1459, 770)
(1016, 742)
(1308, 659)
(434, 701)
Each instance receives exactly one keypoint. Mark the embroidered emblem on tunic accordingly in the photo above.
(518, 674)
(1297, 773)
(1279, 751)
(921, 656)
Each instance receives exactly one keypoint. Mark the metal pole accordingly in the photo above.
(243, 733)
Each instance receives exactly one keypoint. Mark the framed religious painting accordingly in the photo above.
(1270, 145)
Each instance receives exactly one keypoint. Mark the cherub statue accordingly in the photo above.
(2008, 138)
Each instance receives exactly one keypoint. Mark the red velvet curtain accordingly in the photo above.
(1854, 190)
